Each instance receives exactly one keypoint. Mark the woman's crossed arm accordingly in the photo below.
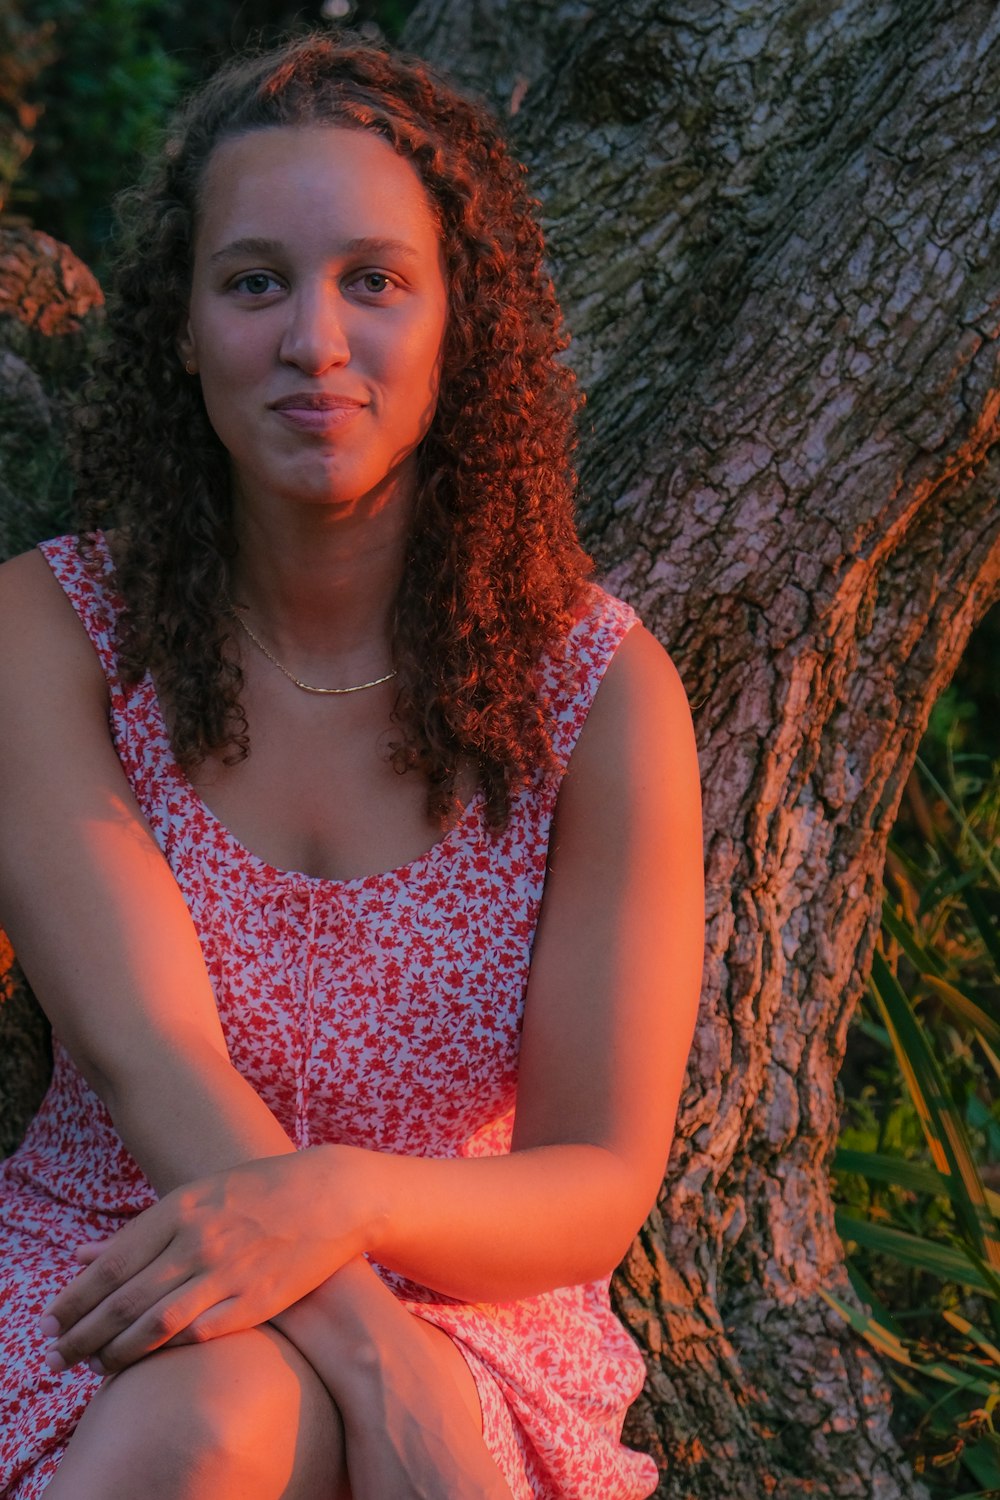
(244, 1229)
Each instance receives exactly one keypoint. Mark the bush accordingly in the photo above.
(103, 100)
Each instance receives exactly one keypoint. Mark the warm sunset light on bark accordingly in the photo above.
(783, 308)
(772, 231)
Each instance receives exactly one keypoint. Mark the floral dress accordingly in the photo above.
(382, 1012)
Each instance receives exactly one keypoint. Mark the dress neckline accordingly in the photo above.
(468, 821)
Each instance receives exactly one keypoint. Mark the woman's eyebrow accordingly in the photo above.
(376, 245)
(250, 246)
(366, 245)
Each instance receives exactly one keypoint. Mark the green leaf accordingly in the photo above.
(963, 822)
(941, 1122)
(879, 1166)
(870, 1299)
(913, 1176)
(889, 1344)
(923, 959)
(946, 1262)
(960, 1004)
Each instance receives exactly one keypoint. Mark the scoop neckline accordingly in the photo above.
(468, 816)
(302, 877)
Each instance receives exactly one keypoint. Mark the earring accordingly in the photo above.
(190, 368)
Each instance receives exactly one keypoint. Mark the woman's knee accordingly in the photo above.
(240, 1416)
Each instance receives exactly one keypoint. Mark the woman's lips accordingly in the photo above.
(316, 413)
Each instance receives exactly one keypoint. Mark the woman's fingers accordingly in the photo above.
(114, 1264)
(246, 1237)
(154, 1303)
(88, 1252)
(154, 1310)
(181, 1318)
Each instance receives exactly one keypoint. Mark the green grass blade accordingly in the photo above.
(946, 1262)
(966, 1008)
(869, 1298)
(886, 1342)
(912, 1176)
(994, 1061)
(923, 959)
(960, 818)
(879, 1166)
(971, 895)
(969, 1331)
(981, 1460)
(942, 1125)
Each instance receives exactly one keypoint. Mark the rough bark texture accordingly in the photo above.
(774, 230)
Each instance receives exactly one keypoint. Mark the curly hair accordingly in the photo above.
(494, 572)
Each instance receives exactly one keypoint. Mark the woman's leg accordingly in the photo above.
(246, 1417)
(239, 1418)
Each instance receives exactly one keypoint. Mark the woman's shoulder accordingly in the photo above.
(636, 751)
(61, 557)
(29, 592)
(53, 612)
(601, 614)
(575, 670)
(641, 692)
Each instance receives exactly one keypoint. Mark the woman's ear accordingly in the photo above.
(186, 351)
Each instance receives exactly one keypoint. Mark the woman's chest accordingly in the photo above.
(385, 1006)
(319, 794)
(384, 1011)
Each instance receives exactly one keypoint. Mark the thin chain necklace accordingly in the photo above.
(305, 686)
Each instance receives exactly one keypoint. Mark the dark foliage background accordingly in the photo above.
(115, 68)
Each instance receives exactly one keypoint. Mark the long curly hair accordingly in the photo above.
(494, 573)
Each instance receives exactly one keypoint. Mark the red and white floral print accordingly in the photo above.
(383, 1011)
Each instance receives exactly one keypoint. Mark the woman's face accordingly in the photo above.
(317, 315)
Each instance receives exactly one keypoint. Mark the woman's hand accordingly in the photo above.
(218, 1255)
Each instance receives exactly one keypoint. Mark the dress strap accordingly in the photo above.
(570, 682)
(90, 593)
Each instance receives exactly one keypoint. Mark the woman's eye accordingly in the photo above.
(256, 283)
(375, 281)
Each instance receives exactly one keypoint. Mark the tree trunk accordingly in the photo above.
(774, 232)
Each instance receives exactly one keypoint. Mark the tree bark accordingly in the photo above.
(774, 233)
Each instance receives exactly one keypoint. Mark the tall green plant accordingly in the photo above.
(920, 1153)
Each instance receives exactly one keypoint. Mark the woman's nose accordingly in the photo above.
(315, 337)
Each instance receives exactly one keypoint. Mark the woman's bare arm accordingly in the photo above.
(103, 933)
(610, 1012)
(92, 908)
(609, 1017)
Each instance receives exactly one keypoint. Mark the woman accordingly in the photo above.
(369, 929)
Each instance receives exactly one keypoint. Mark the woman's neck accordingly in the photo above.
(321, 587)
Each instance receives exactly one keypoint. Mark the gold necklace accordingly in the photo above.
(306, 688)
